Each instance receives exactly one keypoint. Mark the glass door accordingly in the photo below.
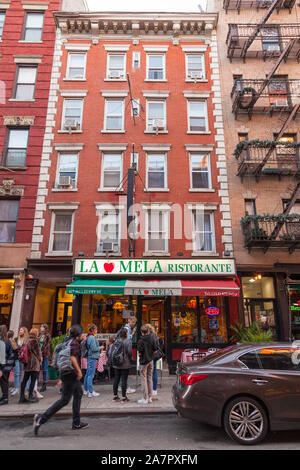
(263, 312)
(5, 311)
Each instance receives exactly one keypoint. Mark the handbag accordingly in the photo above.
(158, 354)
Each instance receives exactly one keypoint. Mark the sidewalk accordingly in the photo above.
(102, 405)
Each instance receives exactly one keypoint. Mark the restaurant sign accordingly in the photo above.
(146, 267)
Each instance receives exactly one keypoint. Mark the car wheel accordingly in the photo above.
(245, 420)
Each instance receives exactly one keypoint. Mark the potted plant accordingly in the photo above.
(53, 374)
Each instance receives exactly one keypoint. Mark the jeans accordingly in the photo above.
(71, 386)
(154, 375)
(146, 379)
(121, 373)
(18, 373)
(45, 365)
(89, 376)
(33, 376)
(4, 385)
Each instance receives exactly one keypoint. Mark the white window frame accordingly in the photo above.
(24, 67)
(63, 118)
(25, 149)
(195, 54)
(119, 187)
(60, 153)
(166, 216)
(56, 211)
(123, 74)
(205, 116)
(194, 232)
(114, 210)
(2, 14)
(161, 54)
(148, 103)
(165, 187)
(135, 105)
(194, 154)
(136, 57)
(70, 53)
(121, 100)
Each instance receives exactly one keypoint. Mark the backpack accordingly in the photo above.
(62, 358)
(84, 348)
(116, 356)
(23, 354)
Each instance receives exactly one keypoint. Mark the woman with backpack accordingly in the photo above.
(7, 366)
(120, 358)
(93, 354)
(45, 343)
(19, 367)
(32, 366)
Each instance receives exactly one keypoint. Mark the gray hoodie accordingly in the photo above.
(127, 354)
(2, 354)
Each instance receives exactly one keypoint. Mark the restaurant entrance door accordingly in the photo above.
(154, 313)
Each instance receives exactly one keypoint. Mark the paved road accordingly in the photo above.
(130, 433)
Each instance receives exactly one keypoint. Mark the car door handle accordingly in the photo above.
(260, 381)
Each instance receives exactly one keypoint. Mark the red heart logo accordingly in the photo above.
(109, 267)
(146, 292)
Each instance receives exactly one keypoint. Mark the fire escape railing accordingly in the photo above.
(256, 4)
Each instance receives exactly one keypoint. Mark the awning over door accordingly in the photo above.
(155, 288)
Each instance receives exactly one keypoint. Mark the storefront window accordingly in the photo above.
(258, 287)
(153, 313)
(108, 312)
(294, 298)
(199, 320)
(6, 298)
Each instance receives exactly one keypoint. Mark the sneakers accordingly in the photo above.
(38, 395)
(85, 392)
(125, 400)
(3, 401)
(80, 426)
(36, 423)
(93, 394)
(14, 392)
(154, 393)
(130, 390)
(149, 400)
(142, 401)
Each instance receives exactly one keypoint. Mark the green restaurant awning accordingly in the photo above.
(94, 286)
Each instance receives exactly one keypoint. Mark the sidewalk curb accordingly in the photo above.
(96, 412)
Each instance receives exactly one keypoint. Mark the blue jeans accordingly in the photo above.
(45, 365)
(90, 372)
(154, 375)
(18, 373)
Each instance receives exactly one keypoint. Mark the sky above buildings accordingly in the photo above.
(152, 5)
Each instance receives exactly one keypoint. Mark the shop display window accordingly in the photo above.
(294, 300)
(6, 298)
(199, 320)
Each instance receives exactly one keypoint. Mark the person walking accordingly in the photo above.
(45, 343)
(71, 385)
(93, 350)
(7, 366)
(122, 369)
(32, 367)
(21, 339)
(146, 347)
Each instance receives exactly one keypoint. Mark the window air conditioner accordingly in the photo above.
(115, 74)
(195, 74)
(110, 246)
(280, 103)
(65, 181)
(71, 125)
(158, 124)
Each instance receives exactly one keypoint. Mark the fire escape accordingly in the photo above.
(279, 96)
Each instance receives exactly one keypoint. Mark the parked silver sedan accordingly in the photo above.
(247, 389)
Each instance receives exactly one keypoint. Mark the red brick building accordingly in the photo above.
(27, 36)
(138, 112)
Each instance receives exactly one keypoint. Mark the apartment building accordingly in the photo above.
(260, 79)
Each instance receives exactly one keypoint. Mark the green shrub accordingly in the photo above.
(251, 334)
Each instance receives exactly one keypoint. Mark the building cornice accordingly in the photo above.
(133, 26)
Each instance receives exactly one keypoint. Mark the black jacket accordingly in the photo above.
(146, 346)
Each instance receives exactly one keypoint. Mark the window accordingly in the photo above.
(250, 206)
(270, 39)
(157, 231)
(67, 170)
(76, 66)
(203, 231)
(195, 66)
(116, 66)
(242, 137)
(279, 358)
(237, 80)
(108, 232)
(16, 147)
(72, 114)
(156, 116)
(156, 171)
(33, 30)
(135, 161)
(156, 66)
(25, 83)
(111, 171)
(200, 171)
(278, 91)
(136, 58)
(2, 19)
(9, 209)
(114, 115)
(197, 116)
(61, 232)
(250, 360)
(135, 109)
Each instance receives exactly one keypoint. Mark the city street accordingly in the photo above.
(131, 433)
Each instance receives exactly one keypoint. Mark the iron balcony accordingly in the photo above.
(256, 4)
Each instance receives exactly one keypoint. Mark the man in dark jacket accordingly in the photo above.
(146, 347)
